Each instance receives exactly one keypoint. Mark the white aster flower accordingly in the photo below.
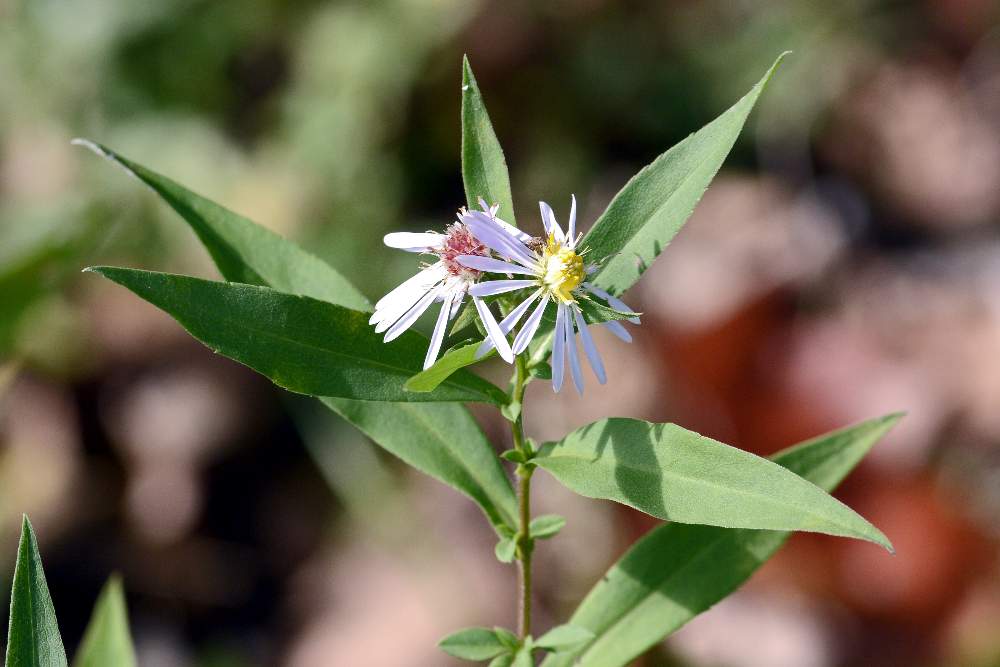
(446, 281)
(555, 271)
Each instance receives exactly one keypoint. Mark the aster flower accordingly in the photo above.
(554, 270)
(444, 281)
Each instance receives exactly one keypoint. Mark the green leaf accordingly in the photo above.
(542, 371)
(677, 475)
(652, 207)
(107, 641)
(546, 525)
(678, 571)
(505, 660)
(595, 312)
(303, 344)
(33, 635)
(244, 251)
(507, 638)
(505, 549)
(523, 657)
(484, 169)
(443, 368)
(441, 440)
(473, 644)
(564, 637)
(467, 316)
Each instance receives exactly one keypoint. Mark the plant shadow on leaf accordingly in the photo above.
(641, 481)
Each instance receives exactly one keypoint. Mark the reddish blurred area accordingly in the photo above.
(843, 265)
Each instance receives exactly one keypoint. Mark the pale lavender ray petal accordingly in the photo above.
(459, 298)
(613, 301)
(508, 323)
(385, 316)
(438, 336)
(530, 327)
(571, 353)
(593, 356)
(491, 287)
(493, 330)
(523, 237)
(495, 237)
(552, 227)
(407, 320)
(618, 329)
(571, 228)
(492, 265)
(414, 242)
(425, 277)
(559, 349)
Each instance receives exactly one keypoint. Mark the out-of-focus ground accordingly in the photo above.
(844, 264)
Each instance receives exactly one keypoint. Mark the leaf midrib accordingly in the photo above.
(701, 482)
(683, 182)
(396, 370)
(440, 435)
(650, 590)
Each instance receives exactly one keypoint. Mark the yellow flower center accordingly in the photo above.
(563, 270)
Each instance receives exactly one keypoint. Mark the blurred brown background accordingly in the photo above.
(844, 264)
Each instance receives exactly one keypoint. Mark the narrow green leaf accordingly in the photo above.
(595, 313)
(507, 638)
(677, 475)
(441, 440)
(652, 207)
(505, 660)
(244, 251)
(484, 169)
(546, 525)
(33, 634)
(473, 644)
(303, 344)
(505, 549)
(523, 657)
(564, 637)
(450, 362)
(678, 571)
(107, 641)
(467, 316)
(542, 371)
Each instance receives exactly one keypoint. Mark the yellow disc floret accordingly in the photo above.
(563, 269)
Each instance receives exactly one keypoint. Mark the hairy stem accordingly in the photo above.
(525, 545)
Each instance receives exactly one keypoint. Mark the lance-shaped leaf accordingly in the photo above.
(441, 440)
(484, 169)
(678, 571)
(652, 207)
(303, 344)
(677, 475)
(33, 634)
(244, 251)
(450, 362)
(107, 641)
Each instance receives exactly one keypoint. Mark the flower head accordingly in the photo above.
(446, 280)
(555, 271)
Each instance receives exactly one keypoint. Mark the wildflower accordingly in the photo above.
(446, 281)
(554, 269)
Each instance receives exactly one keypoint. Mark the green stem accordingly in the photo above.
(525, 545)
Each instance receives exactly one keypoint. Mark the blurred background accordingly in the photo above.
(844, 264)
